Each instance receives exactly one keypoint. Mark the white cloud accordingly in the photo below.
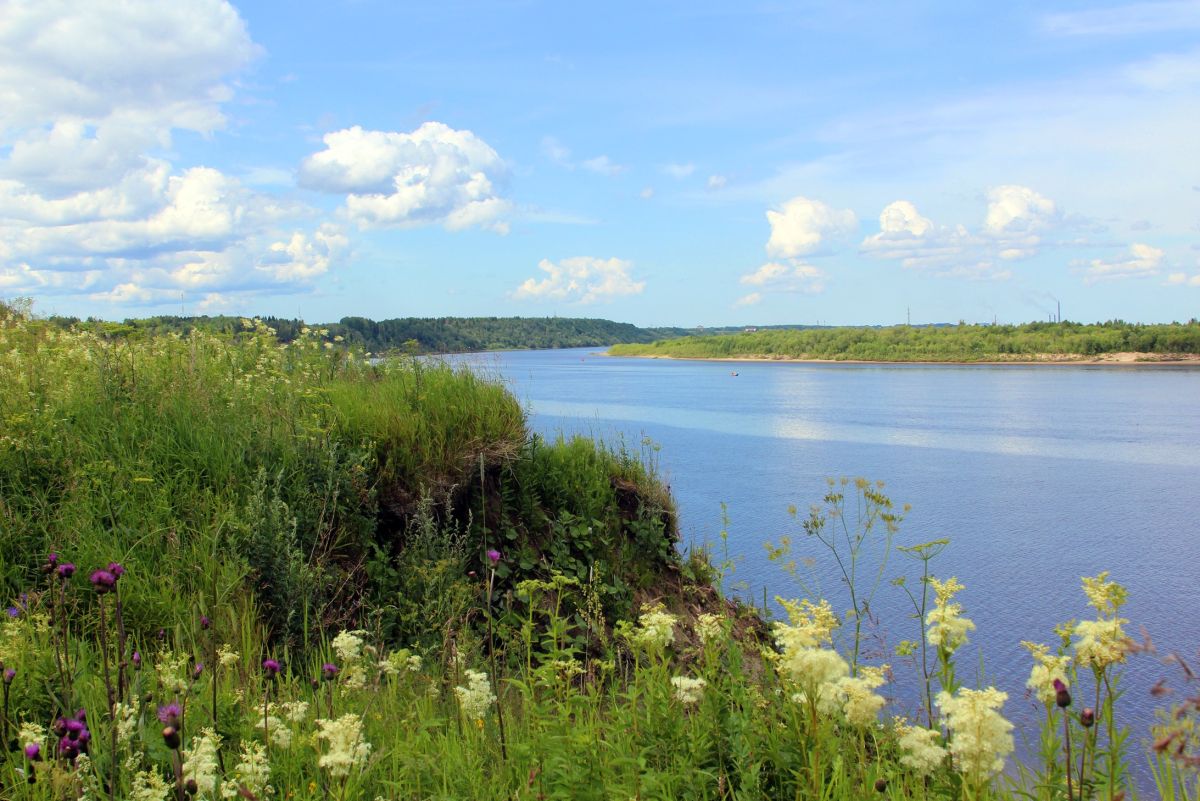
(679, 171)
(646, 193)
(802, 225)
(304, 256)
(1143, 261)
(1182, 279)
(433, 175)
(1126, 20)
(716, 182)
(795, 276)
(748, 300)
(91, 95)
(581, 279)
(602, 165)
(1014, 222)
(556, 151)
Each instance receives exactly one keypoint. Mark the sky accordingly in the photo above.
(661, 163)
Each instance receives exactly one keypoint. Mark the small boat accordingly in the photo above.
(734, 374)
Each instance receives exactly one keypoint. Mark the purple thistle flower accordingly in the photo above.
(137, 660)
(68, 749)
(196, 671)
(9, 675)
(493, 556)
(51, 563)
(329, 670)
(33, 752)
(116, 569)
(169, 714)
(271, 666)
(103, 581)
(66, 570)
(74, 728)
(205, 623)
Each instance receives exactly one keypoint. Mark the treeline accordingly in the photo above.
(966, 343)
(413, 334)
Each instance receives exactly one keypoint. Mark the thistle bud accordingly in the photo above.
(171, 737)
(881, 785)
(190, 787)
(9, 675)
(205, 623)
(1062, 696)
(1087, 718)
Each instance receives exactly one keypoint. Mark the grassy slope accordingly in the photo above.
(963, 343)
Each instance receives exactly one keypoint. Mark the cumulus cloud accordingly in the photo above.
(433, 175)
(801, 226)
(1142, 261)
(792, 277)
(91, 95)
(1014, 223)
(581, 279)
(1183, 279)
(602, 165)
(748, 300)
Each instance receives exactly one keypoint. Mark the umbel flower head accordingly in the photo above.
(655, 630)
(1048, 670)
(980, 738)
(946, 627)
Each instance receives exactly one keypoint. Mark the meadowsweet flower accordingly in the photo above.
(31, 733)
(980, 738)
(1047, 668)
(475, 699)
(1101, 642)
(149, 785)
(946, 628)
(252, 773)
(1105, 596)
(399, 661)
(348, 645)
(919, 748)
(126, 716)
(294, 711)
(226, 656)
(801, 657)
(347, 749)
(655, 629)
(200, 763)
(688, 690)
(171, 668)
(708, 628)
(854, 697)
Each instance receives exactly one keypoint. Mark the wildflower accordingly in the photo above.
(197, 670)
(1047, 670)
(400, 660)
(9, 675)
(980, 738)
(200, 763)
(13, 611)
(802, 659)
(1105, 596)
(656, 629)
(205, 623)
(1101, 642)
(170, 736)
(853, 694)
(687, 689)
(1087, 718)
(476, 697)
(126, 719)
(919, 748)
(103, 581)
(116, 569)
(149, 785)
(66, 570)
(251, 775)
(170, 669)
(946, 627)
(33, 752)
(51, 563)
(271, 668)
(295, 711)
(137, 660)
(493, 556)
(347, 748)
(170, 714)
(1062, 696)
(31, 734)
(226, 656)
(708, 628)
(329, 671)
(348, 645)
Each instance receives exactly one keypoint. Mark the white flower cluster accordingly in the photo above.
(1102, 642)
(252, 773)
(919, 748)
(149, 785)
(475, 699)
(980, 737)
(853, 696)
(126, 716)
(347, 748)
(708, 628)
(200, 764)
(400, 661)
(171, 668)
(802, 659)
(1046, 668)
(226, 656)
(947, 628)
(688, 690)
(655, 629)
(348, 645)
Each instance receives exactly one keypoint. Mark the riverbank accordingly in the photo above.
(1128, 359)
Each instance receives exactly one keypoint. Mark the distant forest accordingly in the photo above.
(952, 343)
(412, 334)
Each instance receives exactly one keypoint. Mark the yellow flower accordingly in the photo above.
(980, 737)
(1105, 596)
(919, 748)
(946, 627)
(1046, 668)
(1101, 642)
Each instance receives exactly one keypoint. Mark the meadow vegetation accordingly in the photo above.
(233, 567)
(960, 343)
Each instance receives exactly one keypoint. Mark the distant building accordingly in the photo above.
(750, 329)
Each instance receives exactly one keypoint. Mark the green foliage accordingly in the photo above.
(961, 343)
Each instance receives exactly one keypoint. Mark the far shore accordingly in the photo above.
(1126, 359)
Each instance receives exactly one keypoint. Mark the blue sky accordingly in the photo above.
(658, 163)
